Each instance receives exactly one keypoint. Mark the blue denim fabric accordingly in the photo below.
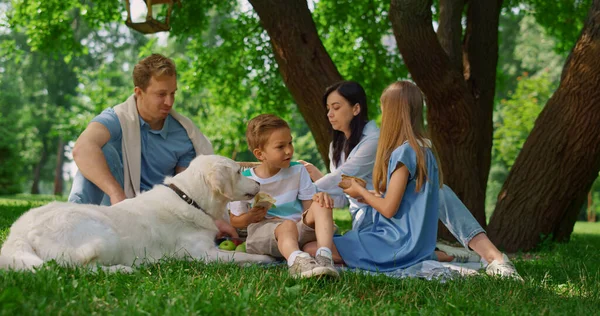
(85, 191)
(455, 215)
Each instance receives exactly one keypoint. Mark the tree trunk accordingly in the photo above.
(37, 171)
(460, 101)
(591, 212)
(450, 30)
(58, 171)
(304, 64)
(560, 159)
(481, 61)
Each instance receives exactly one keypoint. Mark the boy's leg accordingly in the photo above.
(300, 263)
(317, 223)
(286, 235)
(312, 247)
(321, 220)
(84, 191)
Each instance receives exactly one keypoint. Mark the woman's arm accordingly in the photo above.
(314, 172)
(360, 165)
(388, 205)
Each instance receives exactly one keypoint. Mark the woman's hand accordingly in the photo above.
(323, 199)
(315, 174)
(356, 190)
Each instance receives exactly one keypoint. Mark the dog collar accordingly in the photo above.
(187, 199)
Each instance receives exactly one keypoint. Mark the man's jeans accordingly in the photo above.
(84, 191)
(455, 215)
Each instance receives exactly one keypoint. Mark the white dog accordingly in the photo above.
(174, 221)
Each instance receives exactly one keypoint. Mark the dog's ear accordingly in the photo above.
(220, 180)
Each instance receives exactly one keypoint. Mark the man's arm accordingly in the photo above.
(87, 154)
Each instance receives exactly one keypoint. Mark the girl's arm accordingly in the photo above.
(387, 206)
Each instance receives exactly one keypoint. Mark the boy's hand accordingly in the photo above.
(323, 199)
(355, 190)
(257, 214)
(315, 174)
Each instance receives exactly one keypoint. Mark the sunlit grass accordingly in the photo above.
(559, 279)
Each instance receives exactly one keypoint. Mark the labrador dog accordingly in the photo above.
(174, 220)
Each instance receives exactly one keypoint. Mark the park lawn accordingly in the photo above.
(559, 279)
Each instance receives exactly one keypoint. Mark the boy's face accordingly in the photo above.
(278, 150)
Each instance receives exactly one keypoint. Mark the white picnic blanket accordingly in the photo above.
(430, 270)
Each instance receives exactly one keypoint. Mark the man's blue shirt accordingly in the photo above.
(162, 150)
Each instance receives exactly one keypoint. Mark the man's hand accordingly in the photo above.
(315, 174)
(257, 214)
(225, 229)
(323, 199)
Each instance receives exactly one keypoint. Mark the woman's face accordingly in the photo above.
(340, 112)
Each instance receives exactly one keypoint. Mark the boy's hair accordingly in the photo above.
(260, 128)
(154, 65)
(401, 120)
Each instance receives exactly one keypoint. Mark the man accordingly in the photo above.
(132, 147)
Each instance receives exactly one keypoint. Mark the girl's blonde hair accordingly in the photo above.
(401, 120)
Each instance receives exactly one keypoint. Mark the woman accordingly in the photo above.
(352, 152)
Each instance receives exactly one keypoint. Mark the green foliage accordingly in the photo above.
(523, 48)
(51, 26)
(516, 116)
(11, 166)
(528, 70)
(358, 37)
(562, 19)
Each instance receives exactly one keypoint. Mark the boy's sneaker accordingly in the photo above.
(503, 269)
(306, 267)
(327, 263)
(460, 255)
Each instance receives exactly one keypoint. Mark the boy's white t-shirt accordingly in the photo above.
(289, 187)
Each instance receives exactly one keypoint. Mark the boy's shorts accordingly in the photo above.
(261, 236)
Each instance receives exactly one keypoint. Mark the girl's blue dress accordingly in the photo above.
(408, 237)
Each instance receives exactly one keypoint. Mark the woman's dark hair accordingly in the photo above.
(354, 93)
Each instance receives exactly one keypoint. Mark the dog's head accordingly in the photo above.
(224, 177)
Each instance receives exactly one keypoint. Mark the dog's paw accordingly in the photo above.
(118, 268)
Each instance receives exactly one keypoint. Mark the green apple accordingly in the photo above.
(227, 245)
(241, 247)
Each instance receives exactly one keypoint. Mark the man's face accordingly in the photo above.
(278, 150)
(156, 102)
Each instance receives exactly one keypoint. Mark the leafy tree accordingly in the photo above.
(560, 159)
(456, 70)
(516, 116)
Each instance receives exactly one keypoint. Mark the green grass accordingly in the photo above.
(559, 279)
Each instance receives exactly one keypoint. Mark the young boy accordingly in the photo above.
(294, 220)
